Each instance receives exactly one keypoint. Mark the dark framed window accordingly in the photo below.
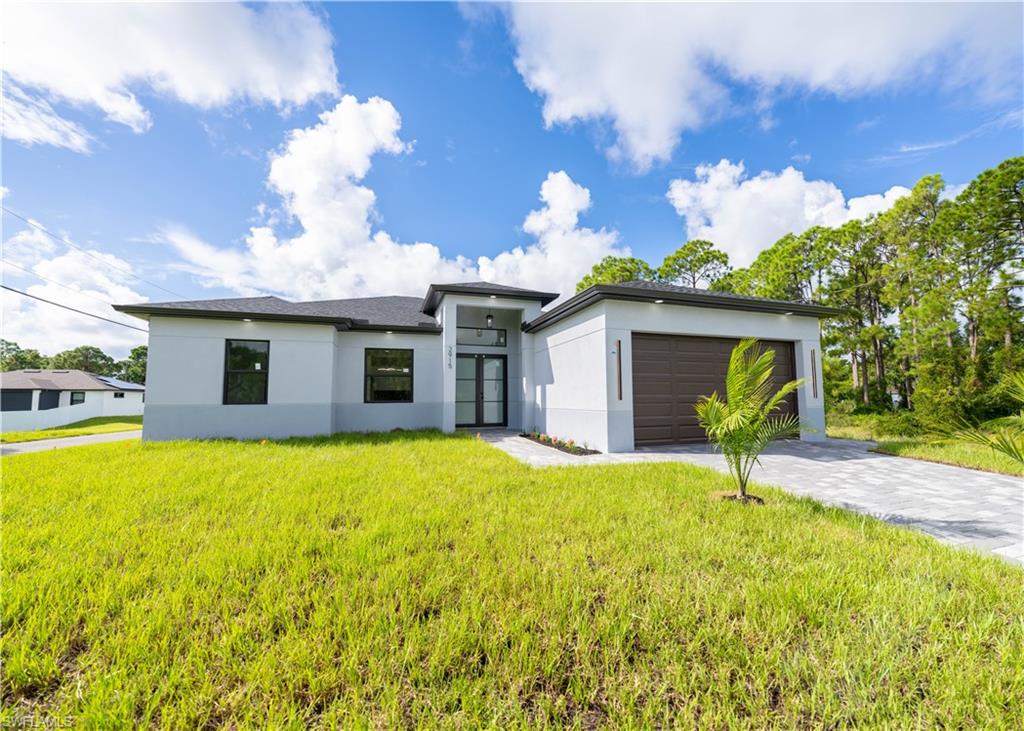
(246, 370)
(49, 400)
(119, 394)
(492, 336)
(16, 400)
(388, 376)
(77, 397)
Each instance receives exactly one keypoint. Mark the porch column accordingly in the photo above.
(528, 381)
(449, 321)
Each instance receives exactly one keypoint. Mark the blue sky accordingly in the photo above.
(620, 128)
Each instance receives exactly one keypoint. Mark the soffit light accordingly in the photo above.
(246, 319)
(658, 302)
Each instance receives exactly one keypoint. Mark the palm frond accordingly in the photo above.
(1007, 441)
(741, 426)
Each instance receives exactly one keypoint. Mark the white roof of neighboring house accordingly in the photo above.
(63, 380)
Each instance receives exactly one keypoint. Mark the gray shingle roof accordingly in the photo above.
(436, 291)
(656, 287)
(674, 294)
(358, 313)
(63, 380)
(392, 310)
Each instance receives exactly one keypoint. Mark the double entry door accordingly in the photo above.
(481, 388)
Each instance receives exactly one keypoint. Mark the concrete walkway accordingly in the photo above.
(43, 445)
(958, 506)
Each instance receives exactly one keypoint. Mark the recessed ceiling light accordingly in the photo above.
(658, 302)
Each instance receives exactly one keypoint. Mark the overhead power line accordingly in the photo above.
(65, 307)
(52, 281)
(61, 240)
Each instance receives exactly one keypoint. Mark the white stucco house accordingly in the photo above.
(614, 367)
(38, 398)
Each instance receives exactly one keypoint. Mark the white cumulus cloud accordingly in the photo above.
(339, 251)
(563, 252)
(71, 278)
(743, 215)
(206, 55)
(656, 70)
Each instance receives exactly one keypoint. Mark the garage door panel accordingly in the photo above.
(672, 372)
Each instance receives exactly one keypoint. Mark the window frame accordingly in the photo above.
(72, 402)
(367, 376)
(229, 371)
(484, 329)
(118, 394)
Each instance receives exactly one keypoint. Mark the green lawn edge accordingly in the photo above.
(95, 425)
(941, 451)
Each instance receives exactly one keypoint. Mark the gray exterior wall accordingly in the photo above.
(350, 411)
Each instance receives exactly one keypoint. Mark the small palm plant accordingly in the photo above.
(743, 424)
(1006, 434)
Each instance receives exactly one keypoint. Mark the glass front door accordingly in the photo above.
(480, 390)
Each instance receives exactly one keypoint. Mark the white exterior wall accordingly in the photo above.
(624, 318)
(352, 414)
(97, 403)
(131, 405)
(571, 379)
(561, 380)
(185, 380)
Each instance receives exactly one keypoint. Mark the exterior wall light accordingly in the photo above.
(490, 320)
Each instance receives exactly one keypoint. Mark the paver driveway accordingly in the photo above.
(956, 505)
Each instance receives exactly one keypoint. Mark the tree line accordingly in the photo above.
(931, 289)
(87, 358)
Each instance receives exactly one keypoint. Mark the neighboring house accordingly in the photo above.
(39, 399)
(616, 366)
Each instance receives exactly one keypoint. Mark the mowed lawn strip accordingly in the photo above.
(419, 579)
(96, 425)
(933, 449)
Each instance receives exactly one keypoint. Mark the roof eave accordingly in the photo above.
(416, 329)
(599, 292)
(144, 313)
(435, 293)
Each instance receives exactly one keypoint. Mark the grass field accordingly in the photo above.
(415, 579)
(934, 449)
(96, 425)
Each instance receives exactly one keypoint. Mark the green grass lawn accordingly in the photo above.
(947, 451)
(417, 579)
(96, 425)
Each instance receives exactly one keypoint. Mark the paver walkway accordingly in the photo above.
(959, 506)
(41, 445)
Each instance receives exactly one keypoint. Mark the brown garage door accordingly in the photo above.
(670, 374)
